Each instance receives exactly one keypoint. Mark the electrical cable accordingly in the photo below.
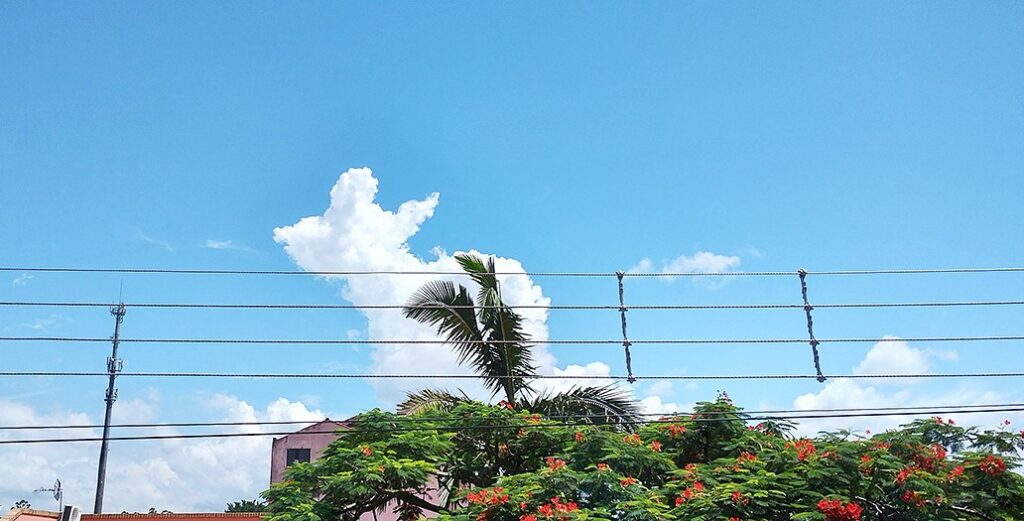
(195, 271)
(505, 377)
(499, 342)
(581, 307)
(420, 419)
(739, 416)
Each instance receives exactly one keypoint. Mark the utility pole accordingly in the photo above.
(113, 367)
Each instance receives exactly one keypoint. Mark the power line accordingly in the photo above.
(738, 416)
(422, 419)
(581, 307)
(504, 377)
(498, 342)
(195, 271)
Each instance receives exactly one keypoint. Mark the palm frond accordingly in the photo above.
(602, 405)
(500, 323)
(451, 309)
(428, 400)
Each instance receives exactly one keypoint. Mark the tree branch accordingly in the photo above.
(415, 500)
(972, 512)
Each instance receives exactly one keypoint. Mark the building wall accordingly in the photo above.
(304, 439)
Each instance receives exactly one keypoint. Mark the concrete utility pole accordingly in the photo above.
(113, 367)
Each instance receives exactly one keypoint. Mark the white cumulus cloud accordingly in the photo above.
(356, 234)
(893, 357)
(179, 475)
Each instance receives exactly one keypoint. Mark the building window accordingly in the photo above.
(300, 455)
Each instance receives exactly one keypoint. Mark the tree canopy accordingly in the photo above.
(479, 462)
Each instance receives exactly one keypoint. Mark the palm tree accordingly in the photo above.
(488, 335)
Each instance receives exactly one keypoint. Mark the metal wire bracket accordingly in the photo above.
(625, 339)
(810, 324)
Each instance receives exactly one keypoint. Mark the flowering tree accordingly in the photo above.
(497, 464)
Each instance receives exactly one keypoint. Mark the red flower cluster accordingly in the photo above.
(676, 430)
(955, 473)
(578, 436)
(627, 482)
(487, 496)
(992, 465)
(738, 498)
(688, 493)
(914, 497)
(602, 466)
(555, 463)
(804, 448)
(656, 446)
(556, 506)
(367, 451)
(866, 465)
(632, 439)
(835, 510)
(746, 457)
(930, 457)
(905, 473)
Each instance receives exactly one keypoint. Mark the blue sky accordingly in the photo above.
(568, 137)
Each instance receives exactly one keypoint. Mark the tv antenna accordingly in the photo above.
(58, 493)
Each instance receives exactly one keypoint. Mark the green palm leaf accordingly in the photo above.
(604, 405)
(429, 400)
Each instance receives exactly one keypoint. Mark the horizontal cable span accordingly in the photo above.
(502, 377)
(199, 305)
(191, 271)
(498, 342)
(422, 419)
(737, 416)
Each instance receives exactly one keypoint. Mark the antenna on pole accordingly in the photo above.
(114, 365)
(58, 493)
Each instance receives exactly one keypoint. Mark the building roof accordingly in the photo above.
(28, 514)
(316, 427)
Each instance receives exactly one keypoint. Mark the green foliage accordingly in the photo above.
(246, 505)
(478, 462)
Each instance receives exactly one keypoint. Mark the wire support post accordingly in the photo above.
(114, 366)
(625, 338)
(802, 273)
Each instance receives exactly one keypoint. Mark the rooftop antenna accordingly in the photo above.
(58, 493)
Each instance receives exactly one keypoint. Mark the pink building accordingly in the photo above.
(304, 445)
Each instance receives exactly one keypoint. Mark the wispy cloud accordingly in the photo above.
(700, 262)
(22, 280)
(40, 325)
(217, 244)
(142, 236)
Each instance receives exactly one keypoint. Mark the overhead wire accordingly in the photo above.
(309, 341)
(419, 376)
(738, 416)
(346, 273)
(423, 419)
(579, 307)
